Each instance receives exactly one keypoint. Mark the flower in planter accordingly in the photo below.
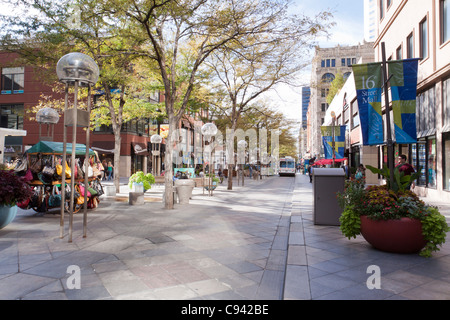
(13, 189)
(382, 203)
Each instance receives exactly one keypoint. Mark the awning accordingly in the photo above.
(327, 161)
(103, 146)
(140, 149)
(51, 147)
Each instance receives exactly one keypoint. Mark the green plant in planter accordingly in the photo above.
(381, 203)
(213, 177)
(401, 181)
(139, 177)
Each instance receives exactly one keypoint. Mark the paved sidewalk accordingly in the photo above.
(257, 242)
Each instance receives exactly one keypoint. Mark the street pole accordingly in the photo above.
(333, 135)
(390, 143)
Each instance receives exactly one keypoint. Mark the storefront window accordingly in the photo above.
(446, 165)
(431, 155)
(421, 153)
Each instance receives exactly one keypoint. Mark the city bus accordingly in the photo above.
(287, 167)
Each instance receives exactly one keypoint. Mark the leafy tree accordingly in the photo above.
(335, 87)
(182, 34)
(51, 29)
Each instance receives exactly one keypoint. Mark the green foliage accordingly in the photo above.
(335, 87)
(139, 177)
(434, 229)
(401, 181)
(350, 222)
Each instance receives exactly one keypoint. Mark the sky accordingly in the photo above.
(349, 30)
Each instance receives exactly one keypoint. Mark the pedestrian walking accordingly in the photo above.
(360, 175)
(109, 170)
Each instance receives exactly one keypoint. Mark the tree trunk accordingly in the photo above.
(117, 145)
(168, 164)
(230, 176)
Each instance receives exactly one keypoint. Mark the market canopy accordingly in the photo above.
(57, 148)
(327, 161)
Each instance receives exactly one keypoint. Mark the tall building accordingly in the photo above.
(306, 97)
(326, 63)
(421, 29)
(370, 20)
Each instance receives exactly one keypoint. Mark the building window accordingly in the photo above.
(381, 9)
(323, 64)
(328, 63)
(333, 63)
(11, 116)
(445, 25)
(398, 53)
(423, 29)
(410, 47)
(324, 107)
(389, 2)
(426, 112)
(446, 102)
(328, 77)
(431, 162)
(423, 155)
(12, 80)
(343, 62)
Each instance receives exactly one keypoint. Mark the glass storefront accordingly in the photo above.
(446, 157)
(431, 165)
(423, 155)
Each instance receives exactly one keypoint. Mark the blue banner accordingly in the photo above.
(368, 83)
(403, 85)
(339, 141)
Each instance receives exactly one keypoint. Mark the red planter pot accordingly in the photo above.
(398, 236)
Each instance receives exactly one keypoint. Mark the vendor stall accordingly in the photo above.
(42, 166)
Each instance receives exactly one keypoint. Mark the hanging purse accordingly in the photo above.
(80, 199)
(83, 189)
(54, 200)
(36, 165)
(21, 165)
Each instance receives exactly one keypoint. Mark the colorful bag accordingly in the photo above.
(54, 200)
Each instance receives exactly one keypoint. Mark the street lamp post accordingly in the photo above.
(242, 144)
(78, 70)
(333, 134)
(156, 140)
(209, 130)
(50, 117)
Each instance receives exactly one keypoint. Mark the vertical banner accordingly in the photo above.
(403, 85)
(339, 141)
(368, 82)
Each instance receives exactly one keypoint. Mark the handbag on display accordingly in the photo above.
(36, 165)
(21, 165)
(80, 199)
(83, 189)
(28, 175)
(97, 186)
(54, 200)
(48, 170)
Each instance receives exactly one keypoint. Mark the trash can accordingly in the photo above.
(184, 190)
(327, 183)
